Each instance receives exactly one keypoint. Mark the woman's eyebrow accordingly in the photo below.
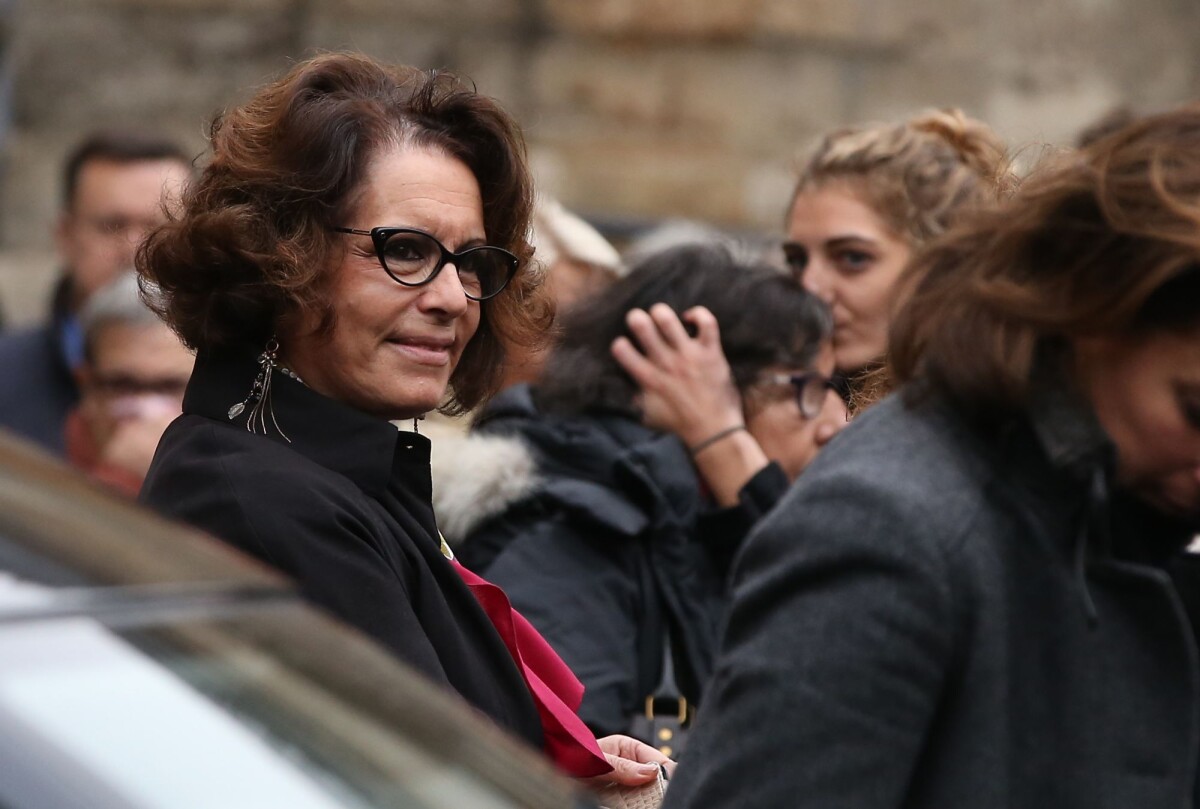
(849, 239)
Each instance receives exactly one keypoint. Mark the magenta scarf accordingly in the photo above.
(556, 691)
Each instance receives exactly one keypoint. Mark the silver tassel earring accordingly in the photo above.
(259, 398)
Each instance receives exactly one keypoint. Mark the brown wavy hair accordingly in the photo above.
(1103, 242)
(253, 244)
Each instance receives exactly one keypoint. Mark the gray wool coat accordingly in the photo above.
(939, 615)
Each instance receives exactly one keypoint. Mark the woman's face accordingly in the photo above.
(393, 348)
(845, 254)
(1146, 394)
(785, 435)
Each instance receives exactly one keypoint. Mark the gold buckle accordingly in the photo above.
(683, 709)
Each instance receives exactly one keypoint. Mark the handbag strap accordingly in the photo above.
(667, 690)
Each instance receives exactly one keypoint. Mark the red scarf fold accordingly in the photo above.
(556, 691)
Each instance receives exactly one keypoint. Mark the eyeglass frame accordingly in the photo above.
(379, 238)
(798, 382)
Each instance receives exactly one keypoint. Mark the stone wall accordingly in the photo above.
(632, 107)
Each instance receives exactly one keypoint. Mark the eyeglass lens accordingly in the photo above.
(412, 258)
(810, 394)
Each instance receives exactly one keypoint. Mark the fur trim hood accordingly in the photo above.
(475, 477)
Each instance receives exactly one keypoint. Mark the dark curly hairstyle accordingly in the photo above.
(253, 244)
(766, 320)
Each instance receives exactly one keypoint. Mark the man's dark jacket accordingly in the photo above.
(37, 388)
(616, 542)
(344, 509)
(943, 616)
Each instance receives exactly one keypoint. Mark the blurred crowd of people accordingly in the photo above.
(891, 510)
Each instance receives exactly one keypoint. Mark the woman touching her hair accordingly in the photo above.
(867, 198)
(616, 549)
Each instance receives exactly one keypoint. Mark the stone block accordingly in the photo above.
(119, 6)
(653, 178)
(654, 19)
(389, 39)
(26, 283)
(31, 190)
(491, 59)
(86, 67)
(892, 90)
(860, 23)
(766, 189)
(457, 14)
(500, 68)
(1053, 114)
(603, 85)
(758, 101)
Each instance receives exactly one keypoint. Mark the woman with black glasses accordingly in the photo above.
(611, 536)
(349, 258)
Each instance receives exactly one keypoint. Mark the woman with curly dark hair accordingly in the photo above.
(351, 256)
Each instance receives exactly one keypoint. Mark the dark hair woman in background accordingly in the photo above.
(354, 249)
(617, 535)
(966, 601)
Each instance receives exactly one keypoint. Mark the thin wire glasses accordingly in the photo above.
(414, 258)
(810, 389)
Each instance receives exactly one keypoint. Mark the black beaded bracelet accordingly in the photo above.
(712, 439)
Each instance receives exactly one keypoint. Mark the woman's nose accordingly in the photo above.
(445, 292)
(833, 420)
(818, 280)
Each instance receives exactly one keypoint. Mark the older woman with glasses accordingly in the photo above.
(349, 258)
(616, 539)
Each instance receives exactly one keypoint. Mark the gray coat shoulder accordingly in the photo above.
(903, 471)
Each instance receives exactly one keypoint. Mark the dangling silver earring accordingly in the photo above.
(416, 421)
(259, 397)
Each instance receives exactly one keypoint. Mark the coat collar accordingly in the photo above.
(363, 448)
(1082, 457)
(1069, 433)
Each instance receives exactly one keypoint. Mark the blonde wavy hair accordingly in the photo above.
(919, 174)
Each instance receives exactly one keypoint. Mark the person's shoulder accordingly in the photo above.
(25, 346)
(919, 447)
(905, 473)
(208, 471)
(262, 497)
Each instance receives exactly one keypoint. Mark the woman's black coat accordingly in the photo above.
(344, 509)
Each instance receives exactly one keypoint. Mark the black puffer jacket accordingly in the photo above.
(615, 542)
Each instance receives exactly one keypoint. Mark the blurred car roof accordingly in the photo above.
(118, 627)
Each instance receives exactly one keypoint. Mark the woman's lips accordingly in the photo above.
(423, 350)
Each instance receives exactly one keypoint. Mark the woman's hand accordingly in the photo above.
(687, 386)
(634, 763)
(687, 389)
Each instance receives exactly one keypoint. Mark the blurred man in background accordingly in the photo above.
(131, 384)
(115, 188)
